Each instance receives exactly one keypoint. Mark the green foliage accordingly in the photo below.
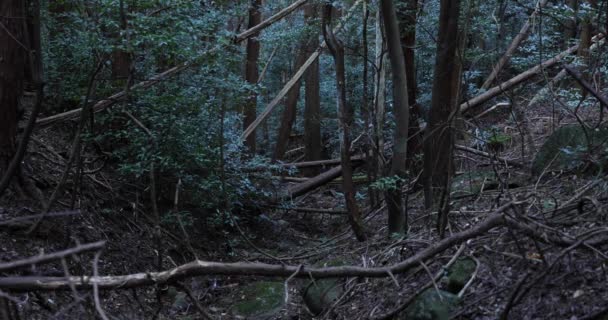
(389, 183)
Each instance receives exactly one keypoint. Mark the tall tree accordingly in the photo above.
(290, 111)
(378, 104)
(397, 221)
(345, 114)
(121, 58)
(570, 25)
(438, 141)
(408, 18)
(13, 53)
(313, 147)
(251, 71)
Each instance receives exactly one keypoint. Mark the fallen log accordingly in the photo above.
(493, 92)
(488, 155)
(517, 40)
(315, 182)
(296, 77)
(117, 97)
(200, 268)
(577, 76)
(46, 258)
(320, 163)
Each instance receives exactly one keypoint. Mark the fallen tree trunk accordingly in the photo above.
(517, 40)
(117, 97)
(488, 155)
(200, 268)
(577, 76)
(320, 163)
(296, 77)
(314, 182)
(493, 92)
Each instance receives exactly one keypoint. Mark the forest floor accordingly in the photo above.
(534, 279)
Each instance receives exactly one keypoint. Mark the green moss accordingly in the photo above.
(459, 273)
(320, 294)
(567, 148)
(261, 299)
(431, 305)
(471, 182)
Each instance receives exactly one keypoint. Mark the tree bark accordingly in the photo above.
(345, 114)
(289, 113)
(251, 71)
(408, 18)
(13, 53)
(438, 145)
(378, 106)
(313, 146)
(121, 58)
(397, 221)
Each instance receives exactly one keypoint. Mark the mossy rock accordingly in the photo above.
(471, 182)
(321, 294)
(431, 305)
(565, 148)
(261, 300)
(459, 274)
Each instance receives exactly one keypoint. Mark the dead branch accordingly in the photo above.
(296, 77)
(521, 36)
(266, 23)
(45, 258)
(314, 182)
(19, 222)
(577, 76)
(488, 155)
(493, 92)
(199, 267)
(320, 163)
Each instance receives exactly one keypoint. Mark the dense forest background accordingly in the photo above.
(419, 159)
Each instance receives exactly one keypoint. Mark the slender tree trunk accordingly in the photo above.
(397, 221)
(313, 146)
(13, 53)
(251, 72)
(570, 25)
(290, 111)
(378, 105)
(121, 59)
(365, 110)
(408, 19)
(345, 114)
(438, 144)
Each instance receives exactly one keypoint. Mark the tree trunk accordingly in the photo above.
(570, 25)
(313, 146)
(397, 222)
(251, 72)
(289, 113)
(438, 144)
(408, 19)
(521, 36)
(121, 58)
(12, 75)
(345, 114)
(378, 105)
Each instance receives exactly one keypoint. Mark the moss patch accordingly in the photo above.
(261, 299)
(459, 273)
(431, 305)
(567, 147)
